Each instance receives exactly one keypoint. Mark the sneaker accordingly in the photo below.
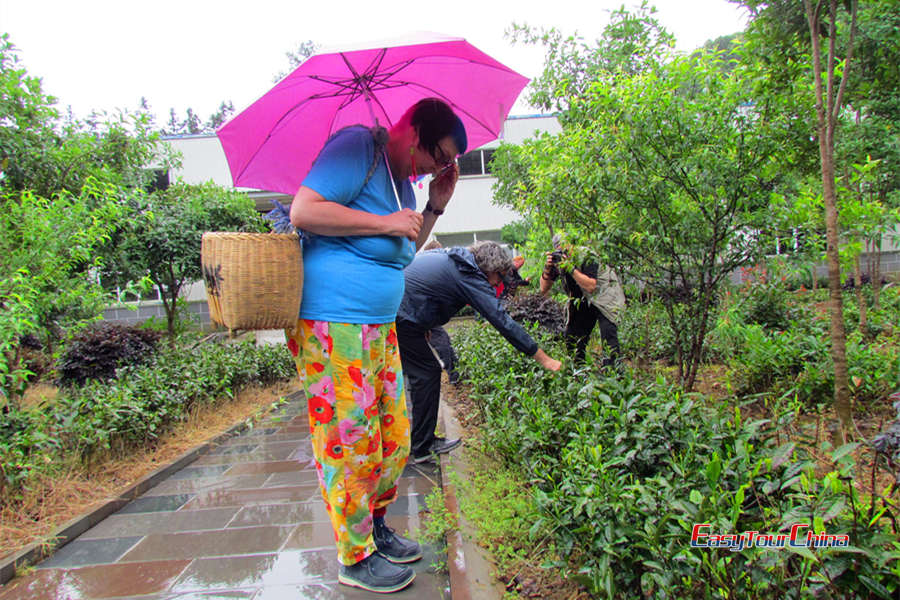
(418, 460)
(443, 445)
(438, 446)
(376, 574)
(395, 548)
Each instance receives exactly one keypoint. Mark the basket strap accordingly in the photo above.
(393, 183)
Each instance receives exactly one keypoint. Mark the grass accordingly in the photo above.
(497, 501)
(436, 524)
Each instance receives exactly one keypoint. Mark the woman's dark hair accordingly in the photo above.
(434, 120)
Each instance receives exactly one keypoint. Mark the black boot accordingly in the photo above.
(375, 574)
(393, 547)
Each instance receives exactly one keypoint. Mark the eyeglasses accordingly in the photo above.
(443, 160)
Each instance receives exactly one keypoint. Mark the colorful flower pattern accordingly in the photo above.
(358, 421)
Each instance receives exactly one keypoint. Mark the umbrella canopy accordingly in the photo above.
(271, 144)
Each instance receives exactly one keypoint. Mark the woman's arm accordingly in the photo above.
(312, 212)
(428, 221)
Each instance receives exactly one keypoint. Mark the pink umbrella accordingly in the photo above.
(271, 144)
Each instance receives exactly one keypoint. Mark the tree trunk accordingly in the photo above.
(169, 307)
(842, 405)
(828, 103)
(876, 273)
(677, 333)
(860, 297)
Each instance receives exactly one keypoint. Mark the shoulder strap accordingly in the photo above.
(380, 139)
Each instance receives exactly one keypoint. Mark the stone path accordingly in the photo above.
(244, 522)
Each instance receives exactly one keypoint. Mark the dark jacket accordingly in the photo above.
(440, 282)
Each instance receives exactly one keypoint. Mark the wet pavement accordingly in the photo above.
(245, 521)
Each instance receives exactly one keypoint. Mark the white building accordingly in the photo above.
(470, 216)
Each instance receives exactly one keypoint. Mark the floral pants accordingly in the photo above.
(358, 422)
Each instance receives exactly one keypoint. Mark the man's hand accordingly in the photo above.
(551, 364)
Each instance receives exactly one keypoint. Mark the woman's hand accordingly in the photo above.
(442, 186)
(404, 223)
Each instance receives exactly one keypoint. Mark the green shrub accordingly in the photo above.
(797, 360)
(624, 469)
(23, 444)
(137, 406)
(645, 332)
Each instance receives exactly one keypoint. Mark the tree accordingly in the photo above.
(631, 43)
(304, 50)
(830, 31)
(26, 122)
(192, 124)
(65, 187)
(46, 153)
(164, 239)
(870, 122)
(669, 171)
(829, 102)
(48, 254)
(225, 110)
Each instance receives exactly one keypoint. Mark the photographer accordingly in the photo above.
(595, 296)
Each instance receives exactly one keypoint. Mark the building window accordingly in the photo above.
(486, 156)
(159, 181)
(467, 238)
(788, 241)
(477, 162)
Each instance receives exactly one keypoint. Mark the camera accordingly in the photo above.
(556, 257)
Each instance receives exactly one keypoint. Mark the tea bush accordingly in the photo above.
(624, 469)
(135, 407)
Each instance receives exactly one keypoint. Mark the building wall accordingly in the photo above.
(471, 209)
(202, 160)
(134, 313)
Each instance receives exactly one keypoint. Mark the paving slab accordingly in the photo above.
(244, 521)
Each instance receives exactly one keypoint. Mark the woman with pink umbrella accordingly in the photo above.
(345, 341)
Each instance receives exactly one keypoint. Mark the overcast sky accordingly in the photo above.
(103, 54)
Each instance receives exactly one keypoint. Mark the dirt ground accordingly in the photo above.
(47, 504)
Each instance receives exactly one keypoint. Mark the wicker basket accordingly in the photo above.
(253, 280)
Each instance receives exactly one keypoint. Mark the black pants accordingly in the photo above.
(440, 341)
(423, 390)
(582, 319)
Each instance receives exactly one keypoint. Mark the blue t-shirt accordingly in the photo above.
(355, 279)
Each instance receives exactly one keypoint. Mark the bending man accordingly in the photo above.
(438, 284)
